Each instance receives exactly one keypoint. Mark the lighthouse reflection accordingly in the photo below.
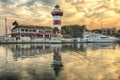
(57, 64)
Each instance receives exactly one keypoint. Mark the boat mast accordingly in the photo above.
(101, 27)
(5, 26)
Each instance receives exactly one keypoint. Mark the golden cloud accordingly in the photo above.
(38, 12)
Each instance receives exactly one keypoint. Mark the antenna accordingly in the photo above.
(101, 24)
(59, 2)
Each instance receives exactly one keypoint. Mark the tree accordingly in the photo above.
(55, 30)
(74, 30)
(15, 23)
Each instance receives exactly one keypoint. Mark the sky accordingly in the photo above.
(93, 13)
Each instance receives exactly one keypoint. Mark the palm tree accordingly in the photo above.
(15, 23)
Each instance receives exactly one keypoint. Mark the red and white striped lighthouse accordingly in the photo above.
(57, 13)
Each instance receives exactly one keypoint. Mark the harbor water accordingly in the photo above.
(82, 61)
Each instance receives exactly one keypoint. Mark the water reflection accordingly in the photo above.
(57, 63)
(46, 61)
(95, 46)
(85, 46)
(34, 50)
(29, 50)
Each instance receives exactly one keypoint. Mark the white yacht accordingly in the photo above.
(101, 38)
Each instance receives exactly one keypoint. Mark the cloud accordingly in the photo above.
(29, 3)
(95, 11)
(38, 12)
(6, 1)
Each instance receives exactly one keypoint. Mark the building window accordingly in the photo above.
(40, 31)
(18, 29)
(47, 31)
(34, 30)
(26, 30)
(22, 30)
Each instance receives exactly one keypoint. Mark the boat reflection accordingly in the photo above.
(57, 64)
(95, 46)
(85, 46)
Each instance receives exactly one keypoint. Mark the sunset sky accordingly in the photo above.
(93, 13)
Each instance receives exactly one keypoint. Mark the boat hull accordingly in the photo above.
(102, 40)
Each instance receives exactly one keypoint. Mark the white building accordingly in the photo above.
(29, 33)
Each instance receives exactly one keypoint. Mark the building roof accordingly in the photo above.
(31, 26)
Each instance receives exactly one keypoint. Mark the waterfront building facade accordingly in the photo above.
(108, 31)
(31, 33)
(105, 31)
(96, 31)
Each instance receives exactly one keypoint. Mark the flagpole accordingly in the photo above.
(5, 26)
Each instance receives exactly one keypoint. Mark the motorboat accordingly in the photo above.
(101, 38)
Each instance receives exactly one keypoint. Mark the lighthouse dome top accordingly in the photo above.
(57, 11)
(57, 6)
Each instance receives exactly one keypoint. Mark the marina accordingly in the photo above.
(22, 34)
(49, 37)
(59, 40)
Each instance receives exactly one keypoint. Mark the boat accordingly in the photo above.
(94, 37)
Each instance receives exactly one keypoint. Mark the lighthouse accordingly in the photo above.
(57, 13)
